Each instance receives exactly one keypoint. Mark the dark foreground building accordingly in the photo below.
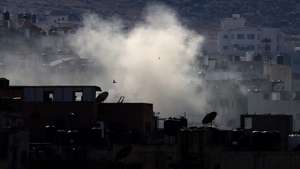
(262, 142)
(65, 123)
(47, 127)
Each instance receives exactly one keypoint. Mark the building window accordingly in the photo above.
(225, 36)
(236, 46)
(225, 47)
(77, 96)
(251, 36)
(266, 40)
(48, 96)
(243, 48)
(267, 48)
(248, 123)
(251, 47)
(240, 36)
(275, 96)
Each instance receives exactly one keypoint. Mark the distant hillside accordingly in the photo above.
(284, 14)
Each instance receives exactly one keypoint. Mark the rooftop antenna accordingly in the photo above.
(209, 118)
(102, 97)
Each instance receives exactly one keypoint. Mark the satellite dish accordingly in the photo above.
(102, 97)
(209, 118)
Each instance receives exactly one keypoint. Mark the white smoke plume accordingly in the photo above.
(151, 62)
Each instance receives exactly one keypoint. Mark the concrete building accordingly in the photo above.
(124, 119)
(267, 122)
(236, 21)
(259, 147)
(282, 74)
(64, 107)
(275, 103)
(70, 118)
(232, 88)
(60, 23)
(75, 107)
(236, 39)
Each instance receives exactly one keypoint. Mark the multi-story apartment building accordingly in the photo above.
(237, 39)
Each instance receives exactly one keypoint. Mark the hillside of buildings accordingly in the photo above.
(64, 108)
(196, 13)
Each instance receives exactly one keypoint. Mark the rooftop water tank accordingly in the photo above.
(4, 83)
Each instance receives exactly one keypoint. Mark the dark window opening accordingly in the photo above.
(236, 46)
(267, 40)
(267, 48)
(35, 115)
(251, 47)
(251, 36)
(240, 36)
(23, 157)
(48, 96)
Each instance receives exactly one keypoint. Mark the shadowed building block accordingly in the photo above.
(136, 117)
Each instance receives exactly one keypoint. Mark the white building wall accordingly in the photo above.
(242, 40)
(237, 39)
(236, 21)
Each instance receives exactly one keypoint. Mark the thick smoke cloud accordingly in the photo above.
(154, 61)
(151, 62)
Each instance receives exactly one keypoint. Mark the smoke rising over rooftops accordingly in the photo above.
(155, 61)
(151, 62)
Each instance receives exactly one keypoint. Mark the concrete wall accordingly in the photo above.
(279, 72)
(61, 94)
(37, 115)
(296, 85)
(128, 116)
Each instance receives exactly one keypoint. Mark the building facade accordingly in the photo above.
(237, 39)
